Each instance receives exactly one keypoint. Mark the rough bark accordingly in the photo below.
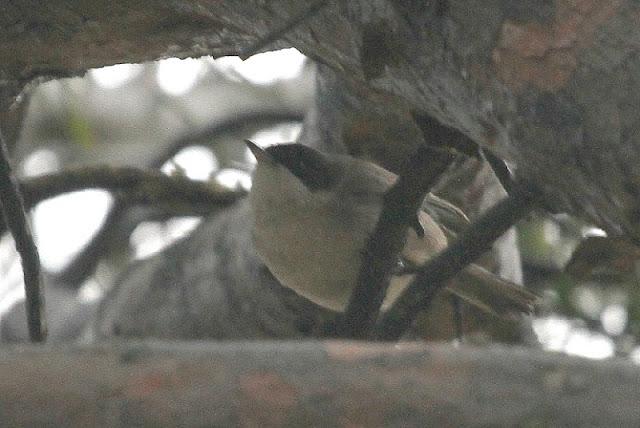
(311, 383)
(550, 86)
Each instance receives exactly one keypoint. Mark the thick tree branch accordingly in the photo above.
(147, 187)
(284, 28)
(312, 383)
(177, 195)
(381, 253)
(470, 245)
(13, 210)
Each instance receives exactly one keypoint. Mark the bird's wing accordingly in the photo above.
(474, 284)
(365, 178)
(492, 293)
(418, 249)
(447, 215)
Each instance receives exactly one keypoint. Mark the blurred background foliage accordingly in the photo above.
(189, 117)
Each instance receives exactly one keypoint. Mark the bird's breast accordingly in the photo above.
(311, 252)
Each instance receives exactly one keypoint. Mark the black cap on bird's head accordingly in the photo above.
(312, 167)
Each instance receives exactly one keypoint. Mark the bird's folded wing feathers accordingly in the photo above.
(491, 293)
(451, 218)
(474, 284)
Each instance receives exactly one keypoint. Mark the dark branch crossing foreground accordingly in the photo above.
(15, 216)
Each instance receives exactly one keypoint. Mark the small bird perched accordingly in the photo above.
(313, 213)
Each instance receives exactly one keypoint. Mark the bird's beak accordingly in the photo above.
(260, 154)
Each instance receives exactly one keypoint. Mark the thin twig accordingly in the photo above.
(400, 207)
(15, 216)
(287, 26)
(470, 245)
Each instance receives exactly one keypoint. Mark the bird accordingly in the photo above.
(312, 213)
